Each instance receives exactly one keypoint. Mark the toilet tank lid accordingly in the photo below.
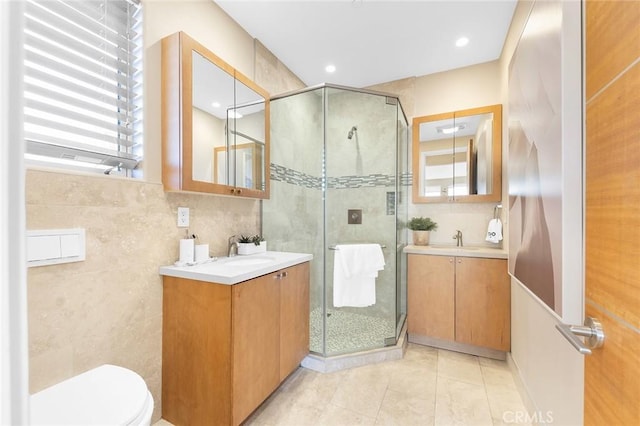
(105, 395)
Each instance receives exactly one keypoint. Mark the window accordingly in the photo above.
(83, 85)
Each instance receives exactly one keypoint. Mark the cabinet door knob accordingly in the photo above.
(238, 191)
(459, 260)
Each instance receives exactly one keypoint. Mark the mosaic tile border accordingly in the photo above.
(284, 174)
(294, 177)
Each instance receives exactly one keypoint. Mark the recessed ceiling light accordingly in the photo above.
(462, 41)
(215, 104)
(330, 68)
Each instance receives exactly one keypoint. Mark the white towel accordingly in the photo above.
(494, 231)
(355, 269)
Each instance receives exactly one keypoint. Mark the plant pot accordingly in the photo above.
(421, 238)
(251, 248)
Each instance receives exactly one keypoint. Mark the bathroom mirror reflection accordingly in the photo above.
(213, 100)
(228, 128)
(457, 156)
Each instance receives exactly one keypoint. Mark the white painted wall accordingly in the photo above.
(14, 371)
(551, 371)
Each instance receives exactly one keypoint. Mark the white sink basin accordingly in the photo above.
(232, 270)
(249, 261)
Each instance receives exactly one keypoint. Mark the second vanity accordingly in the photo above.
(232, 331)
(459, 299)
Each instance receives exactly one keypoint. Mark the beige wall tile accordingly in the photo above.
(108, 309)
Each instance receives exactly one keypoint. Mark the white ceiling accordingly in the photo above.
(374, 41)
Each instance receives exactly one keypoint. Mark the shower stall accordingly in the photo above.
(339, 175)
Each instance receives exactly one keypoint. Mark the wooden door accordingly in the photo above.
(431, 296)
(483, 303)
(612, 373)
(256, 343)
(294, 318)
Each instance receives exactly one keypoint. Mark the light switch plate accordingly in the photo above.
(183, 217)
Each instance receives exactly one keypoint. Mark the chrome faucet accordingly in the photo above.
(232, 243)
(458, 237)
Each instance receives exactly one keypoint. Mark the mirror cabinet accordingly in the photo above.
(215, 124)
(457, 156)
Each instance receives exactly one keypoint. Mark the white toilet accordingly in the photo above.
(106, 395)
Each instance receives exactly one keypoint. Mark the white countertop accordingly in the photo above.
(233, 270)
(446, 250)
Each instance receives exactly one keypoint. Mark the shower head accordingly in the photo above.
(353, 130)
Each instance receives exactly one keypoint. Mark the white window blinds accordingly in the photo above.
(83, 84)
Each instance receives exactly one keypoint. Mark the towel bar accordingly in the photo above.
(334, 247)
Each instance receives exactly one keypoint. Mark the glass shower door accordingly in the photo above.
(360, 196)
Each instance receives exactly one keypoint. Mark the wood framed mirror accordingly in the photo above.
(457, 156)
(210, 107)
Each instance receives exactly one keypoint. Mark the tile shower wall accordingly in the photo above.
(359, 175)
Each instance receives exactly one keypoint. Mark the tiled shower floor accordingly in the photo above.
(348, 332)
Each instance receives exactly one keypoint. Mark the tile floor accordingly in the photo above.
(427, 387)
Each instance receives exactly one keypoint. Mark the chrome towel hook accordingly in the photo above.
(496, 211)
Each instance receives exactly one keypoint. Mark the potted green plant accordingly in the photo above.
(251, 244)
(421, 227)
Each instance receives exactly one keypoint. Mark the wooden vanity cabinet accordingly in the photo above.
(431, 296)
(226, 348)
(460, 303)
(255, 340)
(483, 303)
(294, 318)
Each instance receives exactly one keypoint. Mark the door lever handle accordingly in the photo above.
(591, 330)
